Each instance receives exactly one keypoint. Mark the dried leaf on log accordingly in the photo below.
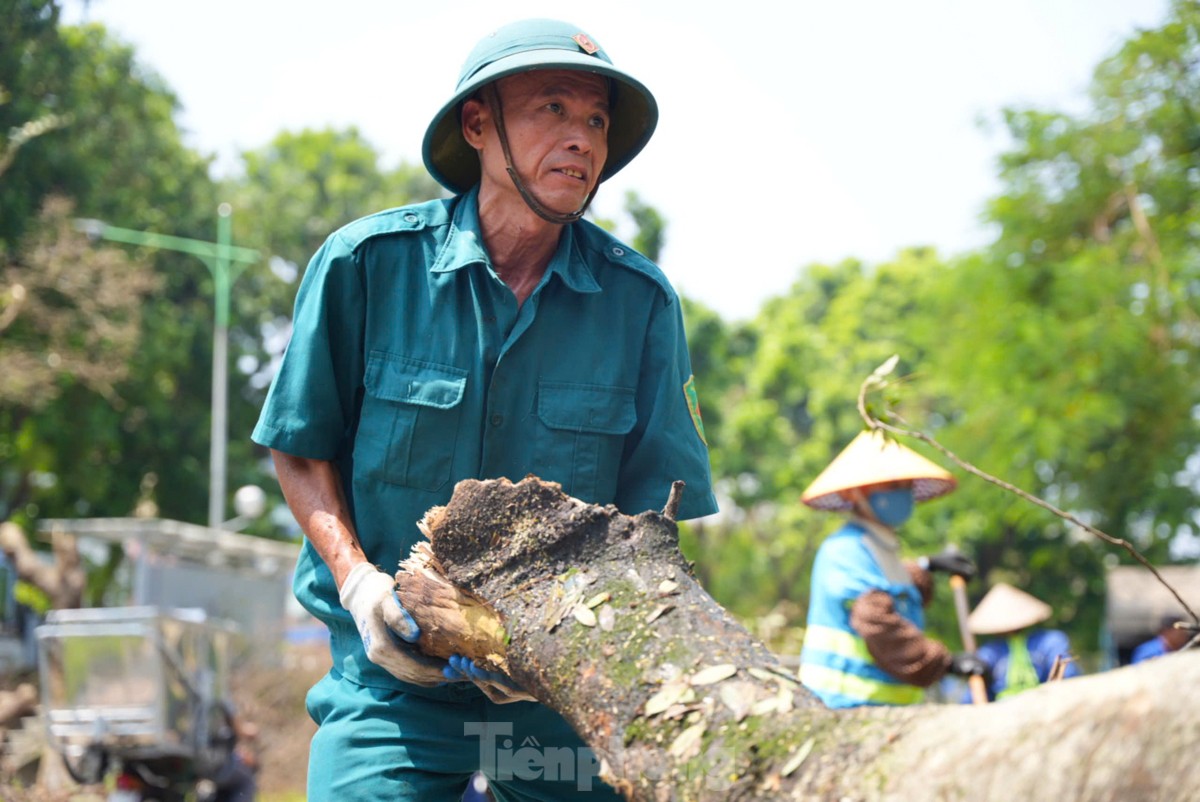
(658, 612)
(597, 600)
(712, 674)
(607, 617)
(671, 693)
(687, 745)
(584, 616)
(797, 759)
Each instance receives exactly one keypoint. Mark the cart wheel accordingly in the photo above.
(215, 738)
(90, 767)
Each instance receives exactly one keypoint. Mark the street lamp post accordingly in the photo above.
(226, 262)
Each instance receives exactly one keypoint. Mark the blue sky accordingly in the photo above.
(790, 132)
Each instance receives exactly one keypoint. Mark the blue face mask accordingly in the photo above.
(891, 507)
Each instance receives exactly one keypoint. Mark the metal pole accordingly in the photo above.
(220, 381)
(225, 262)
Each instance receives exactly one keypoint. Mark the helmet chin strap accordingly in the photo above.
(531, 200)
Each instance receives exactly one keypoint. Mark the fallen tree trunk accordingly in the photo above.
(599, 616)
(63, 581)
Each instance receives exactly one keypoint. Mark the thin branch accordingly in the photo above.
(877, 381)
(671, 510)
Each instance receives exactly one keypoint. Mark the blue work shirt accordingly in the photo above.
(1148, 650)
(1043, 645)
(835, 663)
(411, 368)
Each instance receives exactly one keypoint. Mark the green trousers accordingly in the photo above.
(385, 745)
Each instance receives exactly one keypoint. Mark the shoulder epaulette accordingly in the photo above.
(399, 220)
(597, 241)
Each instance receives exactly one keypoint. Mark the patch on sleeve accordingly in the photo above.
(693, 405)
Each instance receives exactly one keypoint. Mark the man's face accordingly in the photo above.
(557, 123)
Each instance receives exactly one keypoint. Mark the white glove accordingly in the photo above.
(384, 626)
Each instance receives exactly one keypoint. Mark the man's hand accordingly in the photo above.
(386, 627)
(950, 562)
(965, 664)
(498, 687)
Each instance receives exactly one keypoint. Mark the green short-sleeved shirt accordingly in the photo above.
(411, 368)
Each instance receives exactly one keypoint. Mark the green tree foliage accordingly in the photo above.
(85, 120)
(118, 155)
(304, 185)
(70, 322)
(651, 227)
(1074, 355)
(1061, 358)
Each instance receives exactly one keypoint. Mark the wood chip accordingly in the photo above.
(667, 587)
(711, 674)
(584, 616)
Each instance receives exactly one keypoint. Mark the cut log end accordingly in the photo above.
(452, 620)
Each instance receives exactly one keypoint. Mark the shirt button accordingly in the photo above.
(618, 251)
(410, 218)
(497, 420)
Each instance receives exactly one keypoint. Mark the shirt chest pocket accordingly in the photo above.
(581, 436)
(410, 418)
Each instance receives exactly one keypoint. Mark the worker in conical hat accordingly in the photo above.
(864, 643)
(1020, 655)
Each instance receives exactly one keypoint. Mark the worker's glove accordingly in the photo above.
(965, 664)
(386, 628)
(949, 562)
(496, 685)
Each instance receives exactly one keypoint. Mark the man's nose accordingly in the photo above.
(578, 137)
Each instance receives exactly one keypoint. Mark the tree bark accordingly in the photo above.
(599, 616)
(16, 704)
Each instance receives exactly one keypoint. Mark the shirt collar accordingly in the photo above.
(885, 536)
(464, 246)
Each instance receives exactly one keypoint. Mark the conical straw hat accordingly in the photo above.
(1006, 609)
(869, 460)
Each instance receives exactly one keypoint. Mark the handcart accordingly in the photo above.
(140, 691)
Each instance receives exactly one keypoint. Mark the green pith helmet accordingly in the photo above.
(536, 44)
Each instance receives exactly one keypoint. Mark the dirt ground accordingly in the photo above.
(274, 701)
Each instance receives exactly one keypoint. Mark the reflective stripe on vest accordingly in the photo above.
(834, 681)
(830, 680)
(836, 641)
(1020, 675)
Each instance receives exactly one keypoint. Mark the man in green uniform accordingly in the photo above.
(492, 334)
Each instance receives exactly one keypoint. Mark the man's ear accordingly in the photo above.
(474, 115)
